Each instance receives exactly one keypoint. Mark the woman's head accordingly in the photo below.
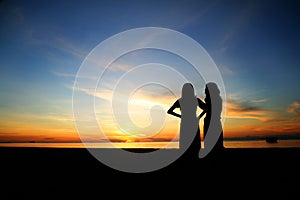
(211, 88)
(187, 90)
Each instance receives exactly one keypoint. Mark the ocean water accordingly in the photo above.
(227, 144)
(262, 144)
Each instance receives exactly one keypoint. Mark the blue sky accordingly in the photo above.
(255, 44)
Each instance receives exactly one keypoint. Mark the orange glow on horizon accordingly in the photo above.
(240, 123)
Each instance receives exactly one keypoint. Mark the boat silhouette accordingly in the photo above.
(271, 139)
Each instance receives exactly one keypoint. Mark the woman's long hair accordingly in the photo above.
(213, 97)
(188, 101)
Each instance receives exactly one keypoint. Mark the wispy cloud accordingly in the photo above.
(16, 126)
(241, 20)
(54, 41)
(41, 117)
(233, 29)
(294, 108)
(241, 108)
(40, 34)
(66, 45)
(270, 121)
(120, 67)
(74, 75)
(192, 19)
(103, 94)
(259, 100)
(140, 97)
(284, 126)
(226, 70)
(202, 13)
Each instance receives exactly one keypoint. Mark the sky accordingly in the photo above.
(254, 44)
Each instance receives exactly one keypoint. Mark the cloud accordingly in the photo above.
(271, 121)
(67, 46)
(259, 100)
(151, 93)
(192, 19)
(239, 21)
(155, 139)
(42, 117)
(294, 108)
(226, 70)
(119, 67)
(248, 109)
(115, 67)
(286, 126)
(103, 94)
(74, 75)
(19, 23)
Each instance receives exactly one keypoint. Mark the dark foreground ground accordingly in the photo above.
(231, 173)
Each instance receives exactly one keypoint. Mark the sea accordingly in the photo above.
(294, 143)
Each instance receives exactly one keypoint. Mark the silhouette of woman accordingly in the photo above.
(213, 97)
(189, 124)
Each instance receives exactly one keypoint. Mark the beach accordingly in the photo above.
(57, 168)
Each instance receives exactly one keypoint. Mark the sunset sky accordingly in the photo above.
(254, 44)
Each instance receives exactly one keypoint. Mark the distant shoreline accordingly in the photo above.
(250, 138)
(226, 151)
(294, 143)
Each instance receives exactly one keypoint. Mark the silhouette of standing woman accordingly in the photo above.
(189, 124)
(213, 97)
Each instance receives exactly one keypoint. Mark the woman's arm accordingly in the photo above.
(171, 110)
(203, 106)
